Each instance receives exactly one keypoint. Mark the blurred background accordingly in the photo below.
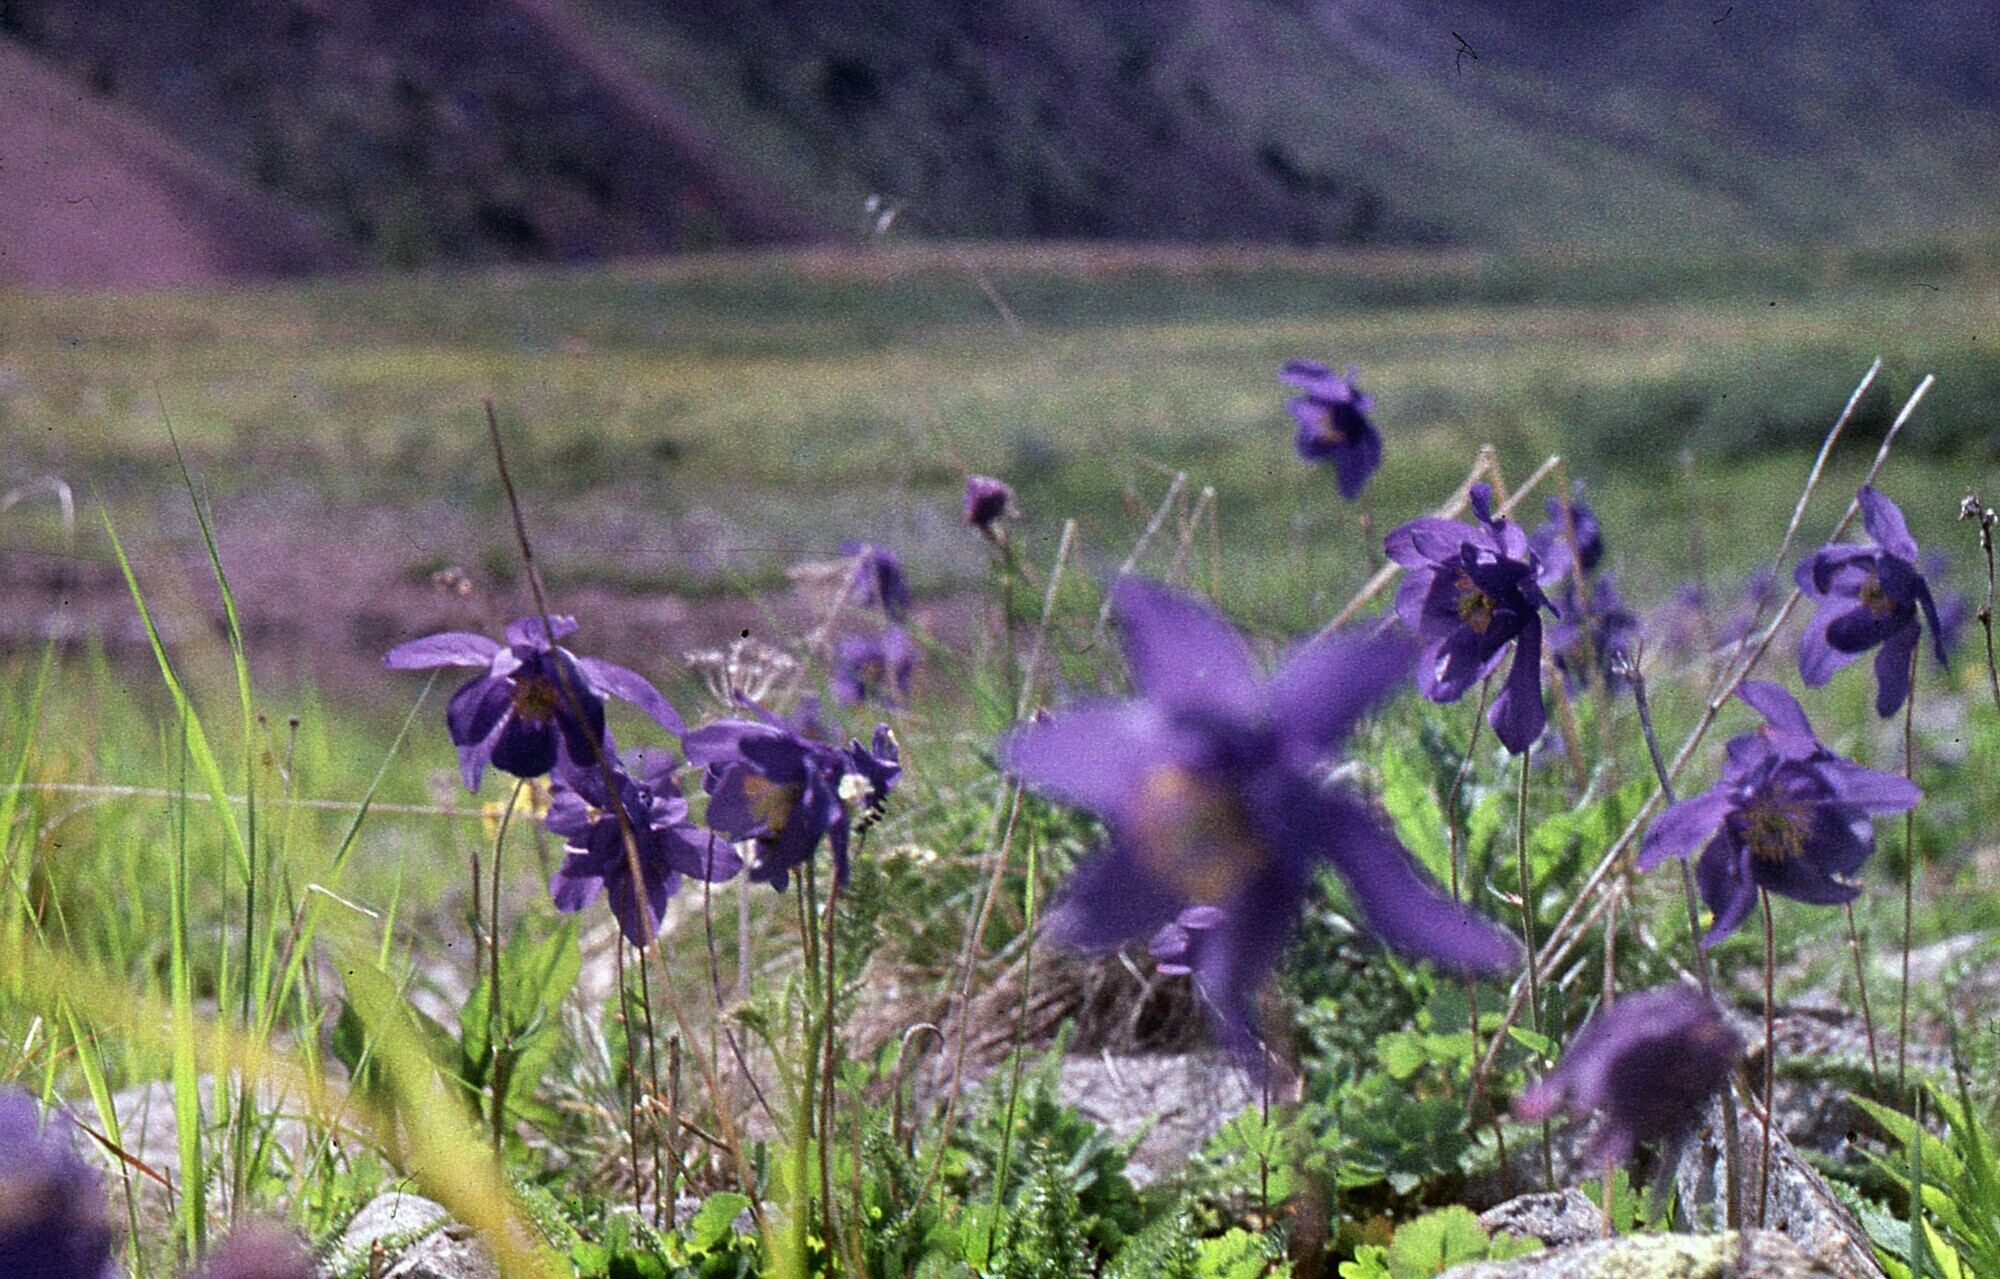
(750, 279)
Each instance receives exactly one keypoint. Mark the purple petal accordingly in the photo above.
(1094, 756)
(1481, 496)
(722, 740)
(1685, 827)
(525, 749)
(1861, 628)
(1307, 375)
(1109, 901)
(1866, 789)
(1402, 904)
(1787, 729)
(1362, 454)
(528, 632)
(1518, 715)
(1884, 523)
(576, 883)
(475, 709)
(1426, 541)
(1182, 654)
(1892, 671)
(1727, 886)
(447, 648)
(1231, 962)
(1320, 691)
(630, 686)
(1818, 659)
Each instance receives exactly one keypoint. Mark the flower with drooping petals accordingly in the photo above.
(987, 502)
(53, 1223)
(1470, 591)
(878, 580)
(1868, 596)
(666, 843)
(1646, 1066)
(1212, 783)
(1787, 816)
(778, 783)
(874, 667)
(1611, 628)
(1551, 540)
(538, 704)
(1333, 423)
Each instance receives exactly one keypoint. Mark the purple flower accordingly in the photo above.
(259, 1252)
(878, 579)
(52, 1212)
(1612, 628)
(1469, 592)
(1954, 609)
(1551, 540)
(667, 844)
(1333, 423)
(1647, 1065)
(987, 502)
(536, 706)
(1788, 816)
(1867, 596)
(773, 782)
(1212, 783)
(874, 666)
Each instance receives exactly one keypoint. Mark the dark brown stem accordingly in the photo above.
(1909, 873)
(1770, 1058)
(1867, 1013)
(1534, 977)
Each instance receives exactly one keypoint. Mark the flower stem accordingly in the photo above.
(1909, 873)
(1020, 1047)
(1867, 1013)
(495, 1076)
(1770, 1059)
(1528, 936)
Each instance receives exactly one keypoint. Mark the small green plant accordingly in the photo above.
(1433, 1244)
(1951, 1187)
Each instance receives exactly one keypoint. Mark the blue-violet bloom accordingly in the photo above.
(987, 502)
(53, 1223)
(1333, 423)
(1646, 1066)
(1612, 631)
(668, 845)
(1868, 596)
(874, 667)
(1551, 540)
(1470, 591)
(1213, 786)
(537, 705)
(1788, 816)
(878, 579)
(777, 783)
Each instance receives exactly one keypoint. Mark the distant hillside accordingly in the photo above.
(462, 130)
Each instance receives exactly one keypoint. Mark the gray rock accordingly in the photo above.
(1566, 1217)
(1754, 1254)
(1178, 1101)
(1800, 1203)
(406, 1236)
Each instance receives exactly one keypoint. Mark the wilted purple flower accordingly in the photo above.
(1787, 815)
(667, 844)
(1868, 595)
(537, 705)
(1333, 423)
(1954, 608)
(1211, 782)
(875, 666)
(776, 782)
(1469, 592)
(878, 579)
(1646, 1066)
(1551, 540)
(987, 502)
(259, 1252)
(52, 1211)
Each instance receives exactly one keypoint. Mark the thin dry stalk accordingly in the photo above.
(1139, 547)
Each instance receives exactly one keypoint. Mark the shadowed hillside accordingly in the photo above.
(425, 130)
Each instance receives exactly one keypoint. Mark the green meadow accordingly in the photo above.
(694, 430)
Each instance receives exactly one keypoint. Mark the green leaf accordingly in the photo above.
(715, 1220)
(1435, 1242)
(1371, 1261)
(1541, 1045)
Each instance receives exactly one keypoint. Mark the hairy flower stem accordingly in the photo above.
(1476, 1083)
(631, 1074)
(495, 1077)
(661, 1177)
(1008, 570)
(1732, 1172)
(1770, 1058)
(810, 1130)
(1909, 875)
(1534, 977)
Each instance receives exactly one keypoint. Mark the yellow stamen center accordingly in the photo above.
(1194, 836)
(536, 698)
(770, 803)
(1875, 598)
(1475, 607)
(1773, 831)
